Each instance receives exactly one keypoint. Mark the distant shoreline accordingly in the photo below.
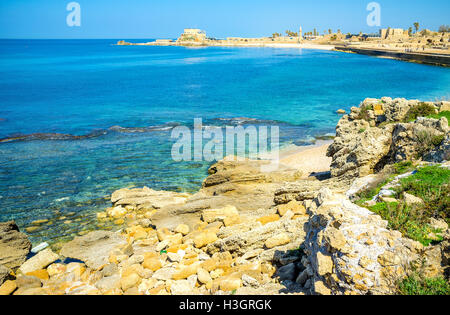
(416, 57)
(271, 45)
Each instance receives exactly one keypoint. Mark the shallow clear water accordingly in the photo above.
(86, 87)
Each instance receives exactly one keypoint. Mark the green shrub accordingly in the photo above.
(364, 112)
(410, 221)
(428, 141)
(420, 110)
(445, 114)
(437, 140)
(417, 285)
(432, 184)
(403, 167)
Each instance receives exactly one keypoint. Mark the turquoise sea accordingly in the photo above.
(90, 117)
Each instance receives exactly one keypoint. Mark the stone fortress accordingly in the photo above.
(423, 46)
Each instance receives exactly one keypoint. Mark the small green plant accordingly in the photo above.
(362, 130)
(364, 112)
(415, 284)
(403, 167)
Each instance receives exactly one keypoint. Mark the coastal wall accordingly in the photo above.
(431, 59)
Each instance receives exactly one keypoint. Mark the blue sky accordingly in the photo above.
(129, 19)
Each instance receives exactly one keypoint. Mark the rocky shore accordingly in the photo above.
(298, 230)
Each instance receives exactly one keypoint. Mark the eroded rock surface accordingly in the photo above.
(14, 245)
(376, 134)
(350, 250)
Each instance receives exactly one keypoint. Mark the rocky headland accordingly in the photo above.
(304, 229)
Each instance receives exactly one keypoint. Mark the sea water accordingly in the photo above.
(89, 117)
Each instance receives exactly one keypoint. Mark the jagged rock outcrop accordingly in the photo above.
(307, 189)
(241, 184)
(440, 153)
(242, 239)
(14, 245)
(350, 250)
(376, 134)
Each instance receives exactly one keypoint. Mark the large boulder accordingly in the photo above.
(40, 261)
(380, 132)
(93, 248)
(350, 250)
(14, 245)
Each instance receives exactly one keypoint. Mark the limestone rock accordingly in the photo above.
(182, 287)
(411, 200)
(324, 264)
(277, 240)
(204, 238)
(230, 284)
(28, 282)
(350, 250)
(130, 281)
(152, 261)
(40, 261)
(211, 215)
(203, 276)
(438, 224)
(321, 289)
(93, 248)
(4, 274)
(14, 246)
(183, 229)
(109, 283)
(376, 134)
(164, 274)
(147, 197)
(294, 206)
(334, 238)
(268, 218)
(8, 287)
(251, 239)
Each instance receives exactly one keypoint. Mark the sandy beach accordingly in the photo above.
(307, 159)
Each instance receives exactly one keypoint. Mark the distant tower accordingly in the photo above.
(300, 33)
